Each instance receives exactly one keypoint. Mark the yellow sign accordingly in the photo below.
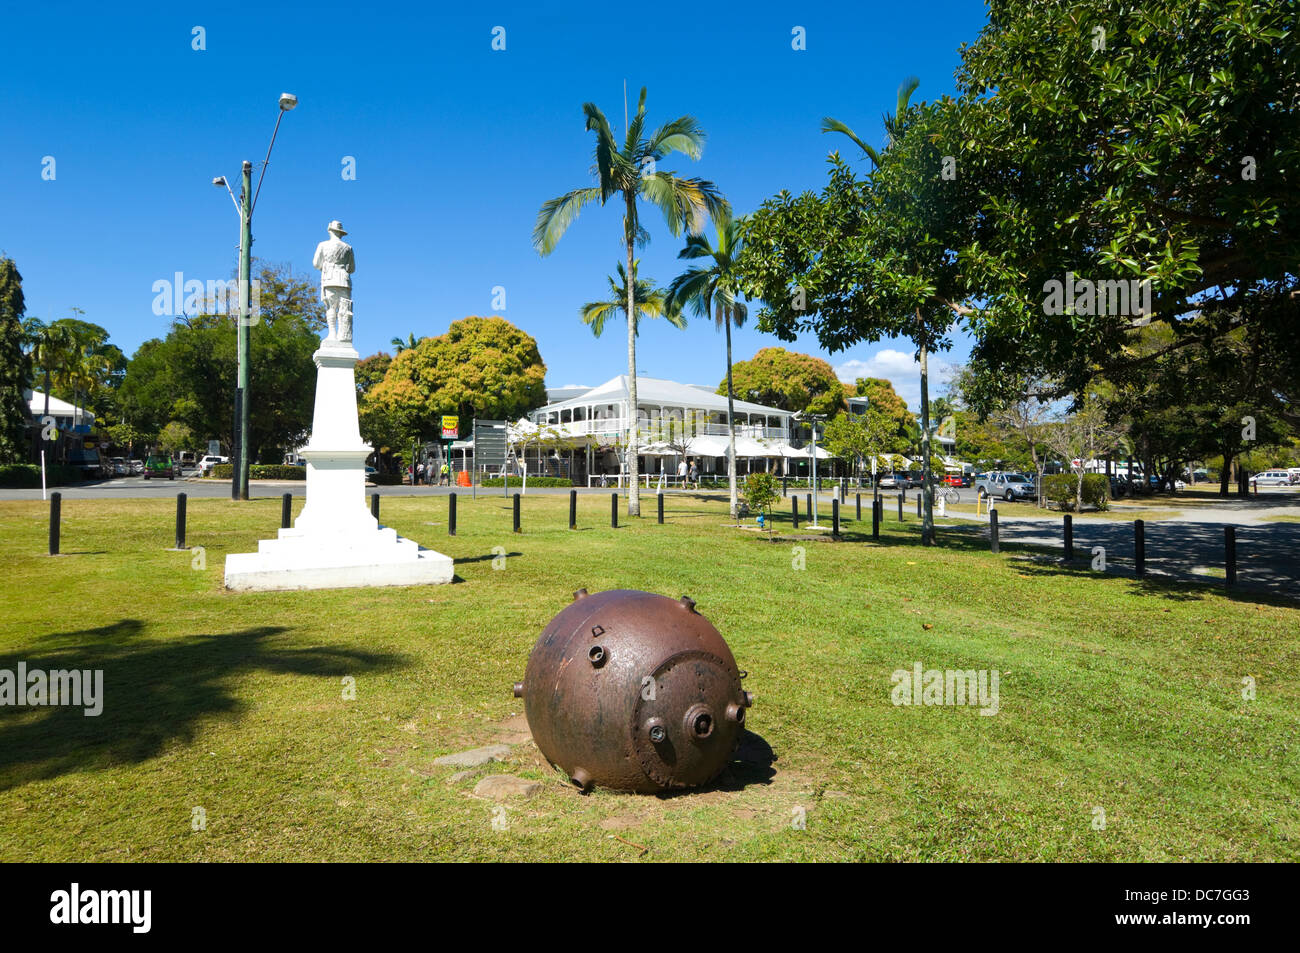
(450, 427)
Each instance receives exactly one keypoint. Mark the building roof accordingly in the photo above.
(653, 390)
(58, 408)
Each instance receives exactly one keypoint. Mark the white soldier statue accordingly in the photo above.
(334, 259)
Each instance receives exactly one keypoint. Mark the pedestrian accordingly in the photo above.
(681, 472)
(695, 474)
(444, 475)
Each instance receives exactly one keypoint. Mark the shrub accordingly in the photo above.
(261, 471)
(1062, 488)
(25, 476)
(386, 479)
(538, 481)
(761, 492)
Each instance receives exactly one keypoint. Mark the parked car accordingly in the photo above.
(1007, 486)
(160, 465)
(210, 461)
(1271, 478)
(89, 462)
(137, 467)
(889, 481)
(120, 466)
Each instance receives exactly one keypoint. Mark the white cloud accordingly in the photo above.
(901, 370)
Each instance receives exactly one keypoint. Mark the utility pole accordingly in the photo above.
(239, 487)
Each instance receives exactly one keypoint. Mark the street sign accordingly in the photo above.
(214, 448)
(490, 443)
(450, 427)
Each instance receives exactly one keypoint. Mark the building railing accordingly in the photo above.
(653, 433)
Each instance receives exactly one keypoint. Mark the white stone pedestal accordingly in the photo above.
(335, 543)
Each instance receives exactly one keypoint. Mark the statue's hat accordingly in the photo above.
(336, 226)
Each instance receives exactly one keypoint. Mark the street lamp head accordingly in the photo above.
(288, 101)
(219, 180)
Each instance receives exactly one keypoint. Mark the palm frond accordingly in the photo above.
(682, 135)
(834, 125)
(556, 215)
(905, 90)
(606, 152)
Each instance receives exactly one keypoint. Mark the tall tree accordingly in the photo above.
(631, 173)
(1153, 141)
(868, 258)
(15, 369)
(399, 345)
(715, 288)
(799, 383)
(480, 367)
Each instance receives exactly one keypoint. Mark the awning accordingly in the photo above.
(802, 453)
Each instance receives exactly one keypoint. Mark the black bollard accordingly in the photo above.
(1230, 555)
(918, 505)
(286, 510)
(613, 511)
(835, 518)
(661, 508)
(573, 509)
(794, 507)
(843, 489)
(1140, 547)
(785, 486)
(876, 507)
(993, 530)
(810, 509)
(56, 507)
(1069, 537)
(374, 505)
(859, 510)
(900, 508)
(180, 520)
(451, 514)
(516, 511)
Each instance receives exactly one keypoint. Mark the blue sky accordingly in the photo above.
(455, 147)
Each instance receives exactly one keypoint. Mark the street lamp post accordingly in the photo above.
(245, 204)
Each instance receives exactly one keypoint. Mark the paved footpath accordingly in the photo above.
(1186, 545)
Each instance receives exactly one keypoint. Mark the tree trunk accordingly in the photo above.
(633, 482)
(1223, 475)
(927, 512)
(731, 421)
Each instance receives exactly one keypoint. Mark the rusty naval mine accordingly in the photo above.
(634, 691)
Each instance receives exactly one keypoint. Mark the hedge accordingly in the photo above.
(386, 479)
(538, 481)
(261, 471)
(25, 476)
(1062, 487)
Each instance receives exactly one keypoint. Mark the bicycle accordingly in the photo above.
(949, 494)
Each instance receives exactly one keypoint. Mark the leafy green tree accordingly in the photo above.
(789, 381)
(174, 437)
(482, 367)
(859, 437)
(649, 301)
(15, 369)
(884, 399)
(371, 370)
(868, 258)
(761, 493)
(189, 376)
(1158, 141)
(630, 173)
(715, 288)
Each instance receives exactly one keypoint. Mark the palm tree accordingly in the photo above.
(712, 290)
(53, 347)
(893, 126)
(631, 172)
(399, 345)
(650, 302)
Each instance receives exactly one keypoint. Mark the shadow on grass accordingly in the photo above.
(483, 559)
(751, 763)
(155, 693)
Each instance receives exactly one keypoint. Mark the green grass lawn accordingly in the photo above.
(1115, 694)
